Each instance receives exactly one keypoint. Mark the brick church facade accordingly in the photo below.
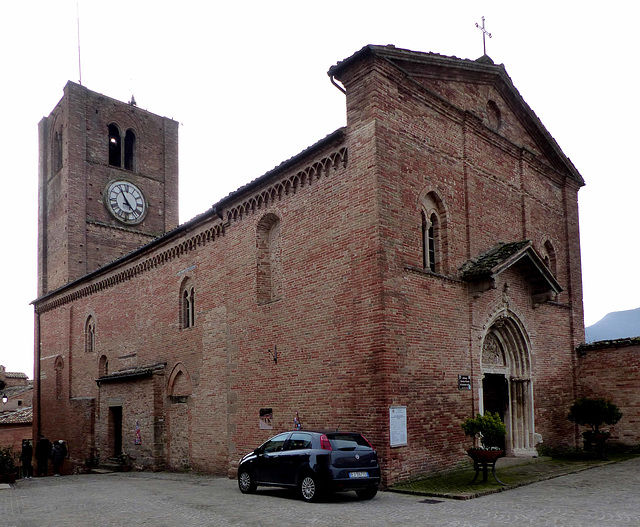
(411, 269)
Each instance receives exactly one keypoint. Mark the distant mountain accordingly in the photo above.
(617, 325)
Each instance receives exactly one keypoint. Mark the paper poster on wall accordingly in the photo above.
(266, 419)
(398, 425)
(138, 438)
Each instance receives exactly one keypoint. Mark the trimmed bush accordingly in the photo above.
(594, 413)
(488, 427)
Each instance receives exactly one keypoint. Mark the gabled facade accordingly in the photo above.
(418, 266)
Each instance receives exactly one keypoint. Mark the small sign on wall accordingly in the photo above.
(398, 425)
(464, 382)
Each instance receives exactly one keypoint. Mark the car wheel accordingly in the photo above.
(368, 493)
(308, 488)
(245, 482)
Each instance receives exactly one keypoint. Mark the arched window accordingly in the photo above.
(103, 366)
(429, 241)
(122, 150)
(268, 259)
(57, 151)
(129, 149)
(187, 305)
(180, 387)
(115, 146)
(90, 336)
(59, 366)
(494, 116)
(433, 243)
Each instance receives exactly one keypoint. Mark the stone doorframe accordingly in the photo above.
(505, 351)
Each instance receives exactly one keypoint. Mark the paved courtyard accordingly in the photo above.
(607, 495)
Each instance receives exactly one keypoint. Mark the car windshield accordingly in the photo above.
(274, 444)
(340, 441)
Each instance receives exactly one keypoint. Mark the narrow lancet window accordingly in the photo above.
(57, 151)
(188, 307)
(115, 146)
(90, 336)
(429, 241)
(129, 150)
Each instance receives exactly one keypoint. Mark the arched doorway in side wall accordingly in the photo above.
(179, 436)
(506, 382)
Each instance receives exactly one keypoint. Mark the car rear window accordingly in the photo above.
(299, 441)
(341, 441)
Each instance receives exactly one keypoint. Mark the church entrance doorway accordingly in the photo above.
(115, 429)
(495, 390)
(506, 383)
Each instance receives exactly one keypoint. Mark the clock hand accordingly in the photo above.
(126, 200)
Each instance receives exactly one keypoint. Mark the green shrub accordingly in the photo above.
(594, 413)
(7, 465)
(488, 427)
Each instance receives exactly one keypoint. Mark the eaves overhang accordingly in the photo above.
(481, 273)
(24, 416)
(599, 345)
(131, 374)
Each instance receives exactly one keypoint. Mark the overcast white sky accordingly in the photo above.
(247, 81)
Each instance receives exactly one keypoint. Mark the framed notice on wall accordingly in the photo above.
(266, 419)
(398, 425)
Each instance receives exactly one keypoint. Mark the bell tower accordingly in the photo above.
(108, 183)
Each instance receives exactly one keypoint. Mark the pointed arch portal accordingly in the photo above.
(506, 382)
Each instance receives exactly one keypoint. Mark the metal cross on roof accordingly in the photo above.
(484, 33)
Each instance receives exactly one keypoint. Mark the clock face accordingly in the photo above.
(126, 202)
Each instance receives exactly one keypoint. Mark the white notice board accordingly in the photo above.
(398, 425)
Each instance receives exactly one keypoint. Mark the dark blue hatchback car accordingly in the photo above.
(313, 462)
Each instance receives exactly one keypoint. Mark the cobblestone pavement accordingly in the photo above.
(605, 495)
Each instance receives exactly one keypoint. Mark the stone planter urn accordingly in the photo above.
(482, 461)
(485, 456)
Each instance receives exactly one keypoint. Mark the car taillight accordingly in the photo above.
(368, 442)
(324, 443)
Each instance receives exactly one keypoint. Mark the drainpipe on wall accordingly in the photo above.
(337, 85)
(36, 372)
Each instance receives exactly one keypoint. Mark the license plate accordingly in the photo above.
(358, 474)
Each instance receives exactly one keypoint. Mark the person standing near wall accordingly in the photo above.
(26, 459)
(58, 453)
(43, 453)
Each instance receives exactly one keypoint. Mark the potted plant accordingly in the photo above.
(594, 413)
(491, 431)
(8, 471)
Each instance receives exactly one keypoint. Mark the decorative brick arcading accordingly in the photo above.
(251, 204)
(290, 185)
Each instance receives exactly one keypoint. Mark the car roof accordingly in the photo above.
(316, 431)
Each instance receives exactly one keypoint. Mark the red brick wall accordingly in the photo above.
(12, 436)
(613, 372)
(492, 191)
(358, 325)
(77, 234)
